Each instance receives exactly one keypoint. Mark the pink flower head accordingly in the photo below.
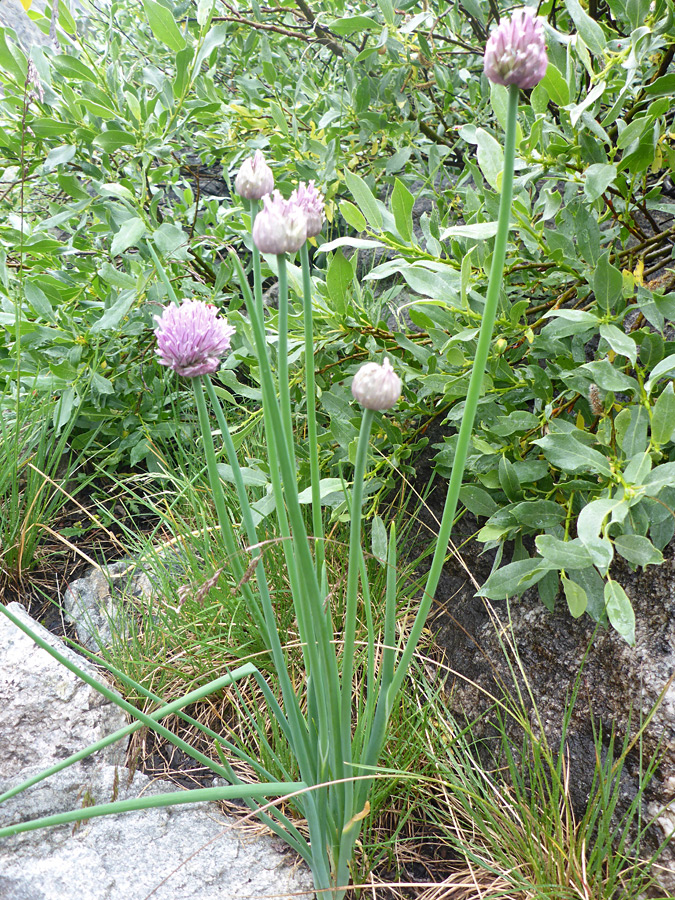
(255, 178)
(376, 387)
(280, 226)
(312, 202)
(516, 51)
(191, 338)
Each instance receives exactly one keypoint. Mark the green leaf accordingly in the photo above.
(402, 202)
(352, 216)
(594, 587)
(215, 37)
(607, 282)
(662, 87)
(619, 341)
(163, 25)
(556, 86)
(327, 488)
(548, 587)
(537, 513)
(590, 32)
(171, 241)
(39, 302)
(112, 317)
(490, 158)
(364, 199)
(116, 277)
(129, 235)
(665, 367)
(619, 611)
(597, 179)
(116, 190)
(352, 25)
(477, 501)
(660, 477)
(112, 139)
(73, 68)
(563, 554)
(379, 540)
(609, 377)
(576, 597)
(514, 579)
(566, 453)
(478, 231)
(59, 156)
(508, 479)
(339, 278)
(251, 477)
(663, 417)
(638, 550)
(630, 427)
(589, 527)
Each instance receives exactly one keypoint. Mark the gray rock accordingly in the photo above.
(13, 15)
(99, 605)
(173, 853)
(620, 684)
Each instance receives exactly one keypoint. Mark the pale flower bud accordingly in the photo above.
(376, 387)
(516, 51)
(280, 226)
(255, 178)
(311, 201)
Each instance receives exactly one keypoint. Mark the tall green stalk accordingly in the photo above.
(466, 427)
(312, 433)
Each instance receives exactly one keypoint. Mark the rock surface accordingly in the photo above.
(174, 853)
(95, 603)
(620, 684)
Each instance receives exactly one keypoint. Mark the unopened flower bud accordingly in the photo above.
(516, 51)
(376, 387)
(255, 178)
(311, 201)
(280, 226)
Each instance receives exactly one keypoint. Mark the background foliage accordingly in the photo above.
(148, 111)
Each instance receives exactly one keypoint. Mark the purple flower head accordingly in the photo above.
(255, 178)
(280, 226)
(191, 338)
(312, 202)
(376, 387)
(516, 51)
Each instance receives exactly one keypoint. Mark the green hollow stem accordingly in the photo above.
(313, 622)
(113, 697)
(176, 798)
(349, 829)
(219, 503)
(466, 427)
(312, 434)
(282, 362)
(295, 721)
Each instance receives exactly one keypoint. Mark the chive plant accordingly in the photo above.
(337, 752)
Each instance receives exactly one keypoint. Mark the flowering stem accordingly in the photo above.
(257, 280)
(284, 386)
(312, 440)
(472, 397)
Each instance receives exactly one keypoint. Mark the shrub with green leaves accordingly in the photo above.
(387, 108)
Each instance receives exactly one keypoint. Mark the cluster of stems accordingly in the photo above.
(337, 752)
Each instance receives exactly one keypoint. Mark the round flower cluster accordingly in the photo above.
(282, 226)
(516, 51)
(191, 338)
